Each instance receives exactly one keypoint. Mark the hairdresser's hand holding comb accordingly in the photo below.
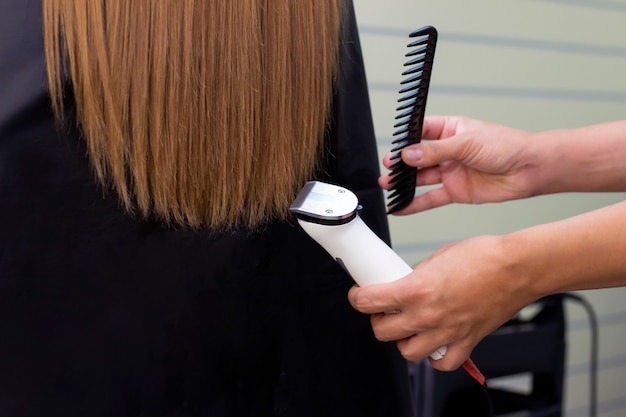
(479, 162)
(473, 161)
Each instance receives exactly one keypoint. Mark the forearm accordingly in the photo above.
(583, 252)
(584, 159)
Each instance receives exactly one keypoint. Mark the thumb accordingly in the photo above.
(428, 154)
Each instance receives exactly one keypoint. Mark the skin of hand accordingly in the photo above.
(465, 290)
(459, 295)
(478, 162)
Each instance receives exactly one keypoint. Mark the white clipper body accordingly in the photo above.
(330, 215)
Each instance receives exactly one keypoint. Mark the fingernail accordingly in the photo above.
(412, 155)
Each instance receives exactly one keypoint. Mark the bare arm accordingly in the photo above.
(583, 159)
(583, 252)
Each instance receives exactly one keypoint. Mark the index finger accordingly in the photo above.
(439, 127)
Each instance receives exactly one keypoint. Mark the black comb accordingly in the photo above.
(411, 115)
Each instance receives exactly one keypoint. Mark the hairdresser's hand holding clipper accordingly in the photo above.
(466, 290)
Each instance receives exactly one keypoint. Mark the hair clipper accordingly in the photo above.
(330, 215)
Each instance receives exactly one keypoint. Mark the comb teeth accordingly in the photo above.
(410, 119)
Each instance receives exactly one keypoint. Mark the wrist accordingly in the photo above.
(547, 162)
(522, 266)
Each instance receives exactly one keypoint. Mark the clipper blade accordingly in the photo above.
(410, 118)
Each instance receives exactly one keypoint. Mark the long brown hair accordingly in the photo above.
(200, 113)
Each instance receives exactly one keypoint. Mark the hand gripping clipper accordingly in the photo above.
(330, 215)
